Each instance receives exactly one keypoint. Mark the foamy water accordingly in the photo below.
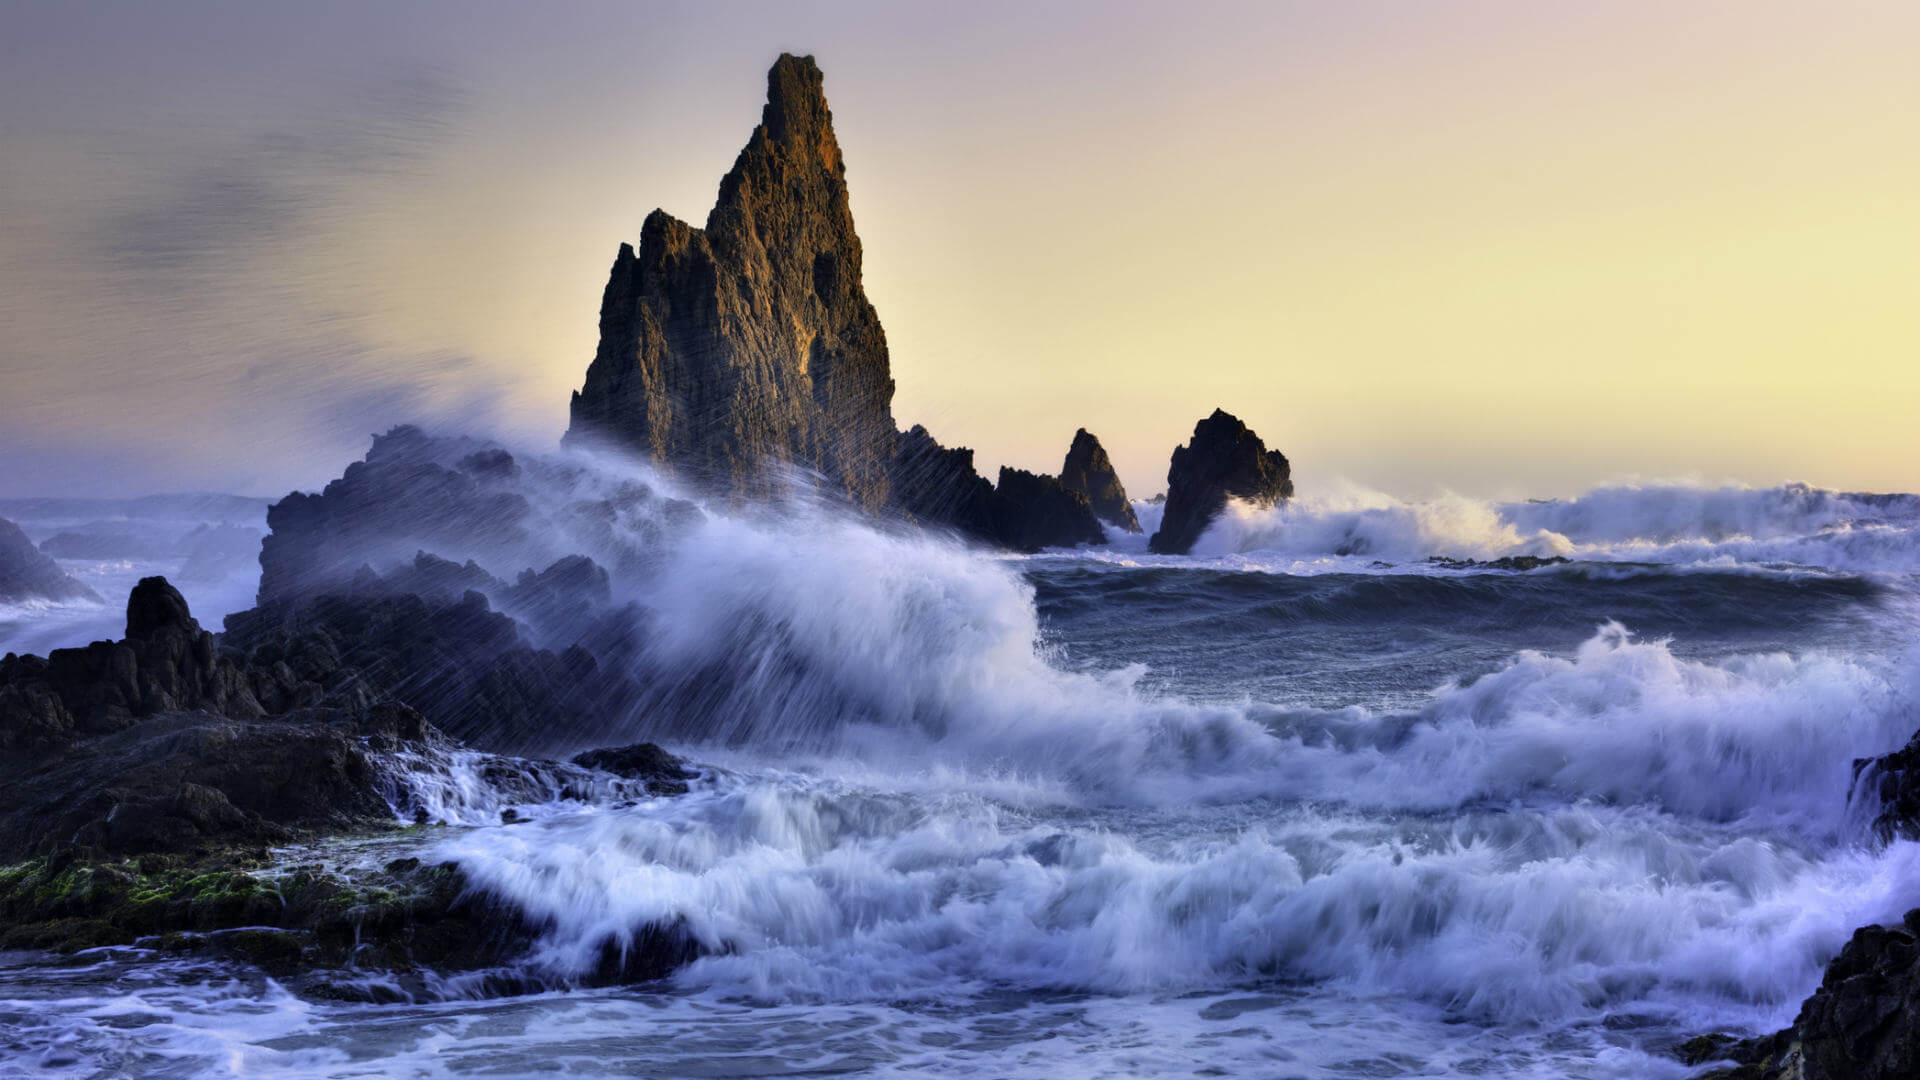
(1299, 805)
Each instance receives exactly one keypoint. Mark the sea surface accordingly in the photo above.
(1301, 804)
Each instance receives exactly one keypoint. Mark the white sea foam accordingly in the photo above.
(926, 825)
(1347, 526)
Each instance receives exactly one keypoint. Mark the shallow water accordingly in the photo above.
(1302, 804)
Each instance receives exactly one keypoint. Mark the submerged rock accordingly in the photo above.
(1515, 563)
(1224, 460)
(729, 350)
(27, 573)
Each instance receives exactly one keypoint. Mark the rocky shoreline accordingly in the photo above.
(154, 785)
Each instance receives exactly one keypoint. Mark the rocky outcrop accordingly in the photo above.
(730, 350)
(1034, 511)
(661, 772)
(464, 665)
(740, 351)
(165, 663)
(196, 782)
(1224, 460)
(1088, 471)
(1860, 1024)
(27, 573)
(411, 491)
(937, 484)
(1892, 782)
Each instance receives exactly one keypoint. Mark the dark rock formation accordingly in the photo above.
(1860, 1025)
(660, 771)
(728, 350)
(938, 485)
(1514, 563)
(26, 573)
(464, 665)
(1033, 511)
(411, 491)
(1893, 782)
(165, 663)
(196, 782)
(141, 780)
(1224, 460)
(1088, 471)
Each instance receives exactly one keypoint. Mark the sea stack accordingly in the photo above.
(730, 350)
(1088, 471)
(741, 351)
(1224, 460)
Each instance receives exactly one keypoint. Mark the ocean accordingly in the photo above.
(1304, 803)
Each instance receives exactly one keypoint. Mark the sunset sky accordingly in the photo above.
(1496, 248)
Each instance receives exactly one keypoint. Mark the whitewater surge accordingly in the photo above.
(1302, 803)
(1724, 528)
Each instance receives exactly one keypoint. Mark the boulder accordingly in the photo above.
(660, 771)
(27, 573)
(1224, 460)
(1088, 471)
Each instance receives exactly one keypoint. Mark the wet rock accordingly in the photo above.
(27, 573)
(1034, 511)
(662, 773)
(465, 666)
(1087, 470)
(1223, 460)
(1893, 782)
(195, 782)
(731, 350)
(1514, 563)
(1859, 1025)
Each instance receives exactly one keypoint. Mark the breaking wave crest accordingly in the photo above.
(1792, 524)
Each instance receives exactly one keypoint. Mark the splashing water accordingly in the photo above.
(1269, 809)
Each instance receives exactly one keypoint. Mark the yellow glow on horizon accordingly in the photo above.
(1496, 247)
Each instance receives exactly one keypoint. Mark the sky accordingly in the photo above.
(1498, 249)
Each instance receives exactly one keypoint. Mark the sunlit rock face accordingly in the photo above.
(730, 350)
